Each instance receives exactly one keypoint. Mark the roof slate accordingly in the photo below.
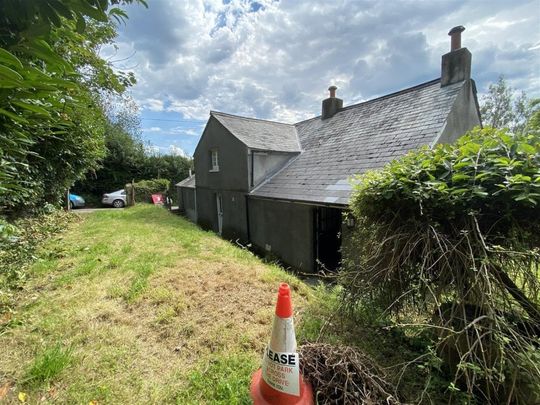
(261, 134)
(359, 138)
(187, 182)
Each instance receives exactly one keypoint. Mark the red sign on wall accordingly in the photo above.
(158, 199)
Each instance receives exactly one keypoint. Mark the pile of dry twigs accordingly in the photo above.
(344, 375)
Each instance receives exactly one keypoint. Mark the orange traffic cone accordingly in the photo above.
(279, 380)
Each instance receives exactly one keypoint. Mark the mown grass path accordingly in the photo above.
(140, 306)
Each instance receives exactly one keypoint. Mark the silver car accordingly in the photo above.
(117, 198)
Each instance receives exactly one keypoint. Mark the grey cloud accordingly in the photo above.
(282, 57)
(157, 32)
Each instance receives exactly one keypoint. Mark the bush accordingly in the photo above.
(145, 188)
(452, 234)
(19, 243)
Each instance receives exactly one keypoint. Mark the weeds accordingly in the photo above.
(47, 365)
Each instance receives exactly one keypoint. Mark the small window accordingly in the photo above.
(214, 162)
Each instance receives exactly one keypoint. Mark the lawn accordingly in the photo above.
(140, 306)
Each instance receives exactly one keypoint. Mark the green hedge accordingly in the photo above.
(145, 188)
(452, 235)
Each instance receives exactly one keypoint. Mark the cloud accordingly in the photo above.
(152, 104)
(152, 129)
(275, 60)
(177, 151)
(185, 131)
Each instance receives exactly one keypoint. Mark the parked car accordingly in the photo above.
(76, 201)
(117, 198)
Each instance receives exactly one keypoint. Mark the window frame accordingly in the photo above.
(214, 160)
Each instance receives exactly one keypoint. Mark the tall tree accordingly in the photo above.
(503, 107)
(52, 121)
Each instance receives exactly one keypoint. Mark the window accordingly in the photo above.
(214, 162)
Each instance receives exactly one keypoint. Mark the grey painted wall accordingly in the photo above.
(180, 197)
(231, 181)
(190, 207)
(233, 160)
(265, 164)
(464, 115)
(287, 228)
(234, 213)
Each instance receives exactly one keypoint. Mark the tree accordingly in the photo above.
(127, 158)
(52, 119)
(502, 107)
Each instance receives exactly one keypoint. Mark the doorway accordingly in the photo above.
(219, 205)
(327, 223)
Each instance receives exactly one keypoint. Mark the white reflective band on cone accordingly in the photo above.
(283, 338)
(280, 366)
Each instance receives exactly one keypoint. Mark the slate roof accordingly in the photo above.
(358, 138)
(261, 134)
(187, 182)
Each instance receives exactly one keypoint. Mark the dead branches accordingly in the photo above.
(344, 375)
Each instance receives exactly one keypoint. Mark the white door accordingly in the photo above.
(219, 204)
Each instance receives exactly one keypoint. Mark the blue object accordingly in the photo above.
(76, 201)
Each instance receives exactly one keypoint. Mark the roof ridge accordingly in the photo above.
(396, 93)
(250, 118)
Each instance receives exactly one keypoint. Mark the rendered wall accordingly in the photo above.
(463, 116)
(232, 156)
(287, 228)
(231, 181)
(189, 205)
(265, 164)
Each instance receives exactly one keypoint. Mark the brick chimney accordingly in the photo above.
(332, 104)
(456, 64)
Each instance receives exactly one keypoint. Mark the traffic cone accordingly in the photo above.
(279, 380)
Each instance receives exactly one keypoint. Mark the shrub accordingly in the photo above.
(145, 188)
(453, 233)
(19, 243)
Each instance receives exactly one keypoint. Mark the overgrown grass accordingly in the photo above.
(406, 355)
(141, 306)
(150, 308)
(20, 242)
(221, 381)
(47, 365)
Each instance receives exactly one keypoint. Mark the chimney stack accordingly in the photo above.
(332, 104)
(456, 64)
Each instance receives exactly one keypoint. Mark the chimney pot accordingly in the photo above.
(332, 90)
(455, 37)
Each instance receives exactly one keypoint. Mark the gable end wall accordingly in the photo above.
(463, 116)
(231, 181)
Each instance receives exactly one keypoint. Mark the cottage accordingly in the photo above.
(283, 187)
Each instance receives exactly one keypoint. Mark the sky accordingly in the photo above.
(276, 59)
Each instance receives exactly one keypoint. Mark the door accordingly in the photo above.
(219, 205)
(327, 238)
